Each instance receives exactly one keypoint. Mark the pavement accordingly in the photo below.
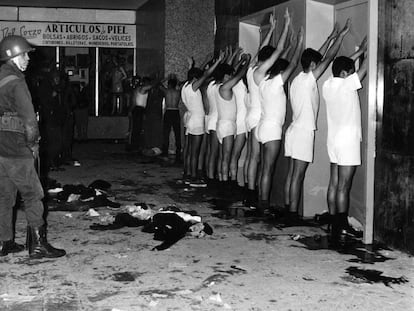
(246, 264)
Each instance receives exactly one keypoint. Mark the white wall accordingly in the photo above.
(249, 38)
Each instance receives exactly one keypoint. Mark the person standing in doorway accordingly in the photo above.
(81, 111)
(118, 75)
(19, 147)
(53, 114)
(344, 137)
(136, 112)
(172, 117)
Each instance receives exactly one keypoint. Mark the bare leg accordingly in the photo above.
(345, 177)
(235, 155)
(195, 144)
(270, 153)
(260, 170)
(186, 155)
(332, 188)
(202, 153)
(296, 186)
(228, 142)
(288, 183)
(219, 162)
(207, 155)
(253, 162)
(214, 149)
(247, 161)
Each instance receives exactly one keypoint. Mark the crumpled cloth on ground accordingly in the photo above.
(81, 198)
(167, 225)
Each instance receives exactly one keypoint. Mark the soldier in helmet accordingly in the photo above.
(19, 145)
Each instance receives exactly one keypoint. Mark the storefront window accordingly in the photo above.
(116, 70)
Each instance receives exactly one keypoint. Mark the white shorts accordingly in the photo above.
(345, 149)
(252, 118)
(211, 123)
(299, 143)
(195, 125)
(268, 131)
(225, 128)
(241, 127)
(241, 122)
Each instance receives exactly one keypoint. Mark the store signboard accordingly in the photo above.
(72, 34)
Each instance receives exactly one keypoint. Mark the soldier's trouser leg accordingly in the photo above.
(22, 174)
(8, 193)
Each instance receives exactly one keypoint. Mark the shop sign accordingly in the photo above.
(72, 34)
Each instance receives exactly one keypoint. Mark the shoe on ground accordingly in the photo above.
(38, 246)
(352, 233)
(198, 183)
(7, 247)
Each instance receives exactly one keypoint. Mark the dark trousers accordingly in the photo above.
(136, 128)
(54, 145)
(17, 174)
(67, 139)
(81, 123)
(172, 120)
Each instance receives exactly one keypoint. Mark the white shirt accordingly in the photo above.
(240, 93)
(273, 100)
(304, 98)
(227, 109)
(254, 102)
(211, 95)
(192, 100)
(342, 106)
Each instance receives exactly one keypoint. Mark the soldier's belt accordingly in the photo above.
(11, 123)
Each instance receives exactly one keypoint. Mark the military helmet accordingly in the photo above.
(12, 46)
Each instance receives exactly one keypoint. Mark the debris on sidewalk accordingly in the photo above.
(16, 298)
(168, 224)
(216, 298)
(92, 213)
(79, 197)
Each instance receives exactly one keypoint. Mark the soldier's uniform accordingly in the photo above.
(19, 138)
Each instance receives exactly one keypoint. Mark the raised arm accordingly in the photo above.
(328, 40)
(238, 64)
(208, 58)
(267, 38)
(225, 90)
(333, 50)
(236, 57)
(295, 58)
(162, 88)
(362, 71)
(190, 62)
(361, 50)
(235, 54)
(282, 39)
(197, 84)
(289, 45)
(261, 71)
(229, 56)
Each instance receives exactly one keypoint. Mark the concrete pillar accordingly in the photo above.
(189, 32)
(394, 170)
